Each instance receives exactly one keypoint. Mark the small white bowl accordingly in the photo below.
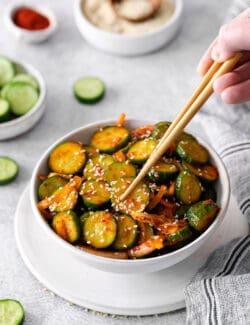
(25, 122)
(146, 265)
(29, 36)
(125, 44)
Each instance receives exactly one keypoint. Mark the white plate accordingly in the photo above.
(123, 294)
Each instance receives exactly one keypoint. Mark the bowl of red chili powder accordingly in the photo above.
(32, 24)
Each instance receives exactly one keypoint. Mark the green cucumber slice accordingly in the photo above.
(127, 232)
(11, 312)
(95, 194)
(162, 172)
(110, 139)
(8, 170)
(50, 185)
(206, 172)
(4, 110)
(21, 96)
(187, 188)
(118, 170)
(181, 236)
(100, 229)
(192, 152)
(89, 90)
(135, 202)
(160, 129)
(67, 225)
(67, 158)
(95, 167)
(27, 78)
(7, 71)
(201, 214)
(141, 150)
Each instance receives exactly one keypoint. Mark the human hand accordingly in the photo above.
(233, 87)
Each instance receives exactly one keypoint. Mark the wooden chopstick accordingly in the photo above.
(198, 98)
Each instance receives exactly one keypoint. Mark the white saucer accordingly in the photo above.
(123, 294)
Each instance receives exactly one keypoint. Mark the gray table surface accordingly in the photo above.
(154, 86)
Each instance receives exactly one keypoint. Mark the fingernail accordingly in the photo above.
(215, 54)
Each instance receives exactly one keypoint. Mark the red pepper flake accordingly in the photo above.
(30, 19)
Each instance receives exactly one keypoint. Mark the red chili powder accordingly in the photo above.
(30, 19)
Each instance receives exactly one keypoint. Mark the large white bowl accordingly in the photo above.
(151, 264)
(123, 44)
(25, 122)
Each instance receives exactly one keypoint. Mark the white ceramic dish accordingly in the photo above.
(135, 294)
(25, 122)
(128, 266)
(24, 35)
(123, 44)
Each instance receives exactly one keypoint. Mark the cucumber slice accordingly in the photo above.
(207, 173)
(89, 90)
(141, 150)
(95, 194)
(163, 172)
(187, 188)
(135, 202)
(118, 170)
(201, 214)
(27, 78)
(192, 152)
(146, 232)
(127, 232)
(50, 185)
(95, 167)
(67, 158)
(7, 71)
(8, 170)
(21, 96)
(110, 139)
(181, 236)
(67, 225)
(4, 110)
(100, 229)
(159, 129)
(11, 312)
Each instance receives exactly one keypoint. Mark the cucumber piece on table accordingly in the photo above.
(135, 202)
(118, 170)
(127, 232)
(89, 90)
(4, 110)
(100, 229)
(187, 188)
(50, 185)
(7, 71)
(95, 194)
(67, 158)
(21, 96)
(95, 166)
(141, 150)
(162, 172)
(192, 152)
(67, 225)
(26, 78)
(201, 214)
(8, 170)
(11, 312)
(207, 173)
(110, 138)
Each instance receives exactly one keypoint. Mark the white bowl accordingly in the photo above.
(25, 122)
(124, 44)
(146, 265)
(25, 35)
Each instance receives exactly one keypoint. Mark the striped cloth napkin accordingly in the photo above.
(220, 292)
